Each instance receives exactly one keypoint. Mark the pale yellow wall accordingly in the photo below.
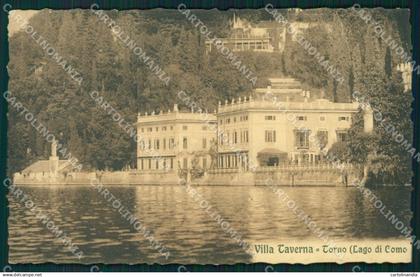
(284, 125)
(194, 134)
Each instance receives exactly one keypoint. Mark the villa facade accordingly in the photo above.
(277, 125)
(172, 140)
(281, 124)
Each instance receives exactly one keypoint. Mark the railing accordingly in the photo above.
(323, 166)
(284, 167)
(266, 104)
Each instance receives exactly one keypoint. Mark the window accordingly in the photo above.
(171, 143)
(204, 162)
(157, 164)
(322, 138)
(204, 143)
(227, 120)
(221, 122)
(142, 165)
(235, 137)
(164, 128)
(149, 129)
(234, 119)
(150, 163)
(246, 135)
(185, 163)
(184, 143)
(172, 127)
(221, 136)
(270, 117)
(149, 144)
(172, 163)
(157, 144)
(343, 118)
(322, 118)
(142, 145)
(142, 130)
(341, 136)
(270, 136)
(157, 129)
(164, 144)
(184, 127)
(204, 128)
(302, 118)
(302, 139)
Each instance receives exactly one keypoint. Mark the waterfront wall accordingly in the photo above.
(313, 175)
(72, 178)
(105, 177)
(310, 175)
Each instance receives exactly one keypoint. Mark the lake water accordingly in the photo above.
(184, 228)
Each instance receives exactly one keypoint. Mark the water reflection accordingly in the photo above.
(184, 228)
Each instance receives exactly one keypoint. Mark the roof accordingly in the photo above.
(45, 166)
(175, 117)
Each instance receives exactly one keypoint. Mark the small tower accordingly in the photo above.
(53, 161)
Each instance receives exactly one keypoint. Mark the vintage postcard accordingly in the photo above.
(210, 137)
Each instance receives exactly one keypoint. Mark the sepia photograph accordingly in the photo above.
(210, 137)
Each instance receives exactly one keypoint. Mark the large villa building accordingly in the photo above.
(279, 124)
(173, 139)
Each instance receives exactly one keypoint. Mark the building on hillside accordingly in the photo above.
(245, 37)
(264, 36)
(173, 140)
(281, 124)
